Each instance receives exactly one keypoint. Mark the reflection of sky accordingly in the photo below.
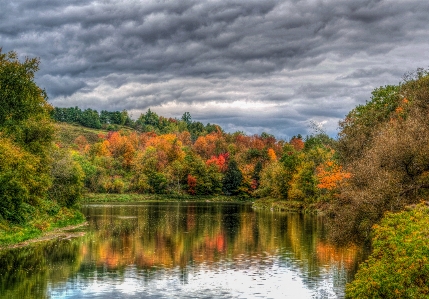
(250, 278)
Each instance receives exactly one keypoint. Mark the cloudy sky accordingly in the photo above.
(254, 66)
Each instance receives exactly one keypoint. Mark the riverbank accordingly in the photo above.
(134, 197)
(67, 232)
(274, 204)
(39, 228)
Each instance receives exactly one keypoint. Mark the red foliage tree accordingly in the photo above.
(192, 183)
(297, 143)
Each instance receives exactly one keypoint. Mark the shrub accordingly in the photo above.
(68, 179)
(399, 264)
(18, 180)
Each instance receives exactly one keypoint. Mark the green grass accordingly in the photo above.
(14, 234)
(67, 133)
(283, 205)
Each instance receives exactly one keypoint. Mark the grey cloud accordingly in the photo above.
(313, 59)
(61, 86)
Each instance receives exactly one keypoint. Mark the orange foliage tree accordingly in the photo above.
(272, 154)
(220, 161)
(330, 175)
(297, 143)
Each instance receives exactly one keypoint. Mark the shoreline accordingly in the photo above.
(62, 233)
(266, 203)
(135, 197)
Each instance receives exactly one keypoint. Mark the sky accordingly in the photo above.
(276, 66)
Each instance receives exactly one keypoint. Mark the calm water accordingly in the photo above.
(183, 250)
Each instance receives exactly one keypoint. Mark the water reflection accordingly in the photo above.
(184, 250)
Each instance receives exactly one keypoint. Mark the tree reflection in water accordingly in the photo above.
(184, 249)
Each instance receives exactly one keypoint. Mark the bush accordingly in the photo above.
(68, 179)
(18, 181)
(399, 264)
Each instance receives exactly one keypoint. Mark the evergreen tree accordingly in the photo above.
(186, 117)
(232, 179)
(257, 174)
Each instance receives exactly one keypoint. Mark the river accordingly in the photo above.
(183, 250)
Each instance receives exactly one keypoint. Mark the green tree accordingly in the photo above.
(186, 117)
(27, 133)
(256, 177)
(20, 97)
(90, 119)
(68, 179)
(232, 179)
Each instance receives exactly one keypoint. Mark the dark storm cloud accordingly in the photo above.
(248, 65)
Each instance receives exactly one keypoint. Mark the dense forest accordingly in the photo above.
(179, 156)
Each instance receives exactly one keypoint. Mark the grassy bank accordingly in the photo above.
(14, 234)
(134, 197)
(284, 205)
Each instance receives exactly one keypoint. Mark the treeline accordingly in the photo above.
(147, 122)
(207, 161)
(181, 156)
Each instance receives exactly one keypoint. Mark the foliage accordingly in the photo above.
(68, 179)
(192, 183)
(21, 98)
(274, 181)
(26, 135)
(166, 152)
(398, 266)
(357, 129)
(18, 181)
(392, 169)
(232, 179)
(331, 175)
(37, 180)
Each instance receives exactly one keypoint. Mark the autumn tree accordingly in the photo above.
(389, 160)
(26, 134)
(297, 143)
(192, 183)
(19, 184)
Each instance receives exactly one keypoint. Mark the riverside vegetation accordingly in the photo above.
(39, 183)
(380, 163)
